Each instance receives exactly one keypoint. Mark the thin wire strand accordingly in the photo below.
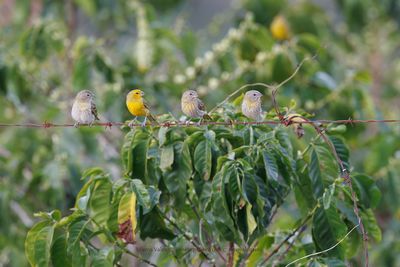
(184, 124)
(326, 250)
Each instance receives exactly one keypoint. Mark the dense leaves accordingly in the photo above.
(237, 188)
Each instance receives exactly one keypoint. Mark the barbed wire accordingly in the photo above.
(286, 122)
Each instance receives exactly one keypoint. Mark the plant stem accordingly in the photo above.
(231, 254)
(277, 247)
(198, 248)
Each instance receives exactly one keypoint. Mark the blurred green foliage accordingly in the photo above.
(49, 50)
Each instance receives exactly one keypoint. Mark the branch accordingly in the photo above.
(302, 224)
(199, 249)
(231, 254)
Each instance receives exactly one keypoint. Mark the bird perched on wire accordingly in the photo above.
(138, 107)
(251, 105)
(84, 109)
(193, 107)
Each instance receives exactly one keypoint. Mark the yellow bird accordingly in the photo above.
(280, 28)
(138, 107)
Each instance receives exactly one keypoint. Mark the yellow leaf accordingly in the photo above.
(251, 221)
(127, 217)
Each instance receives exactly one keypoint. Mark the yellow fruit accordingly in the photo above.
(280, 28)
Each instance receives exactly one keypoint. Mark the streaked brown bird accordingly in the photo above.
(84, 109)
(193, 107)
(251, 105)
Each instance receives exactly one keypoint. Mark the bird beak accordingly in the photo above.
(142, 93)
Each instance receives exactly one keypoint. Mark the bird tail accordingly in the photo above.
(207, 117)
(152, 118)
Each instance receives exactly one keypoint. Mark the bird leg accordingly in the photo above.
(76, 125)
(143, 124)
(188, 122)
(200, 121)
(132, 122)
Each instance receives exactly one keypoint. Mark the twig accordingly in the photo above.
(323, 251)
(276, 249)
(199, 249)
(231, 254)
(217, 249)
(137, 256)
(272, 87)
(289, 246)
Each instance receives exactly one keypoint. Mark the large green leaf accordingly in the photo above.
(315, 175)
(341, 149)
(59, 256)
(152, 225)
(100, 201)
(42, 246)
(78, 231)
(220, 210)
(270, 165)
(31, 239)
(147, 197)
(137, 154)
(371, 225)
(103, 258)
(367, 191)
(250, 189)
(328, 229)
(166, 157)
(202, 159)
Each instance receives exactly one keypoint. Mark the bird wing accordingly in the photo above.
(201, 105)
(148, 114)
(94, 111)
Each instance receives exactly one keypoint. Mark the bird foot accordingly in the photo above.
(131, 124)
(76, 125)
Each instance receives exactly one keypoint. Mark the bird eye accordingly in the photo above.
(87, 94)
(191, 94)
(254, 94)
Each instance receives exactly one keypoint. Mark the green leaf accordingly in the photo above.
(367, 191)
(341, 149)
(270, 165)
(31, 239)
(103, 258)
(166, 157)
(220, 211)
(250, 189)
(147, 197)
(78, 231)
(371, 225)
(327, 196)
(137, 156)
(327, 230)
(315, 175)
(152, 225)
(42, 246)
(139, 150)
(100, 201)
(59, 256)
(202, 159)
